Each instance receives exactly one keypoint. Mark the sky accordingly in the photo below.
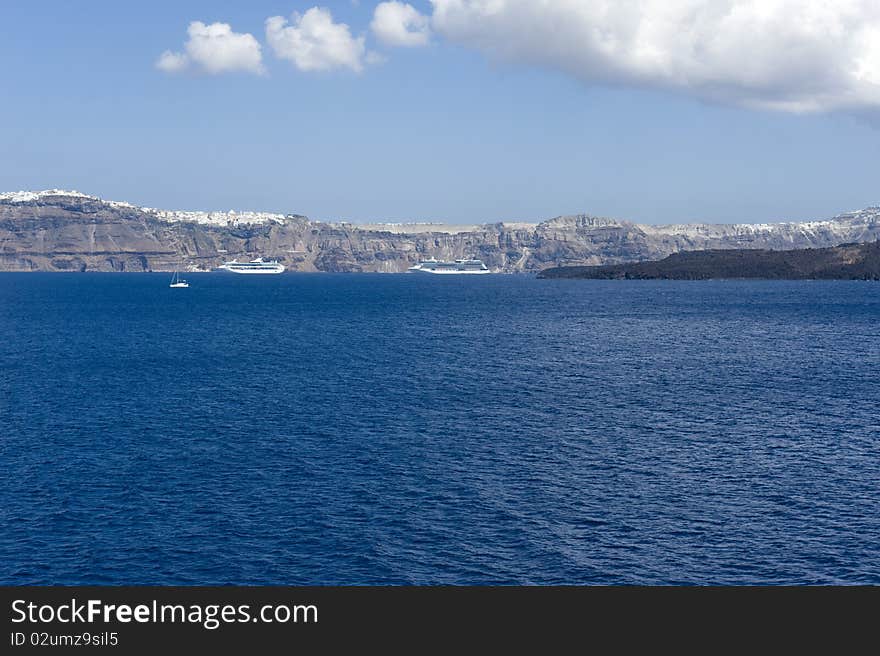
(463, 111)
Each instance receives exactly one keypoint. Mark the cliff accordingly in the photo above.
(68, 231)
(846, 262)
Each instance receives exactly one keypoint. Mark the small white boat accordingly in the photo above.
(177, 282)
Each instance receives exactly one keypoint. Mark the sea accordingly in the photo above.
(409, 429)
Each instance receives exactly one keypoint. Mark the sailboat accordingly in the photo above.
(177, 281)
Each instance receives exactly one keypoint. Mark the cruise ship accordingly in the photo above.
(254, 266)
(446, 267)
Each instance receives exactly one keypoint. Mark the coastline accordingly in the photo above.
(68, 231)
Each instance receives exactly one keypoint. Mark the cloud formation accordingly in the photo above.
(400, 24)
(172, 62)
(313, 42)
(788, 55)
(214, 49)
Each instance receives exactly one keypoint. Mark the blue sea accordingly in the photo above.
(406, 429)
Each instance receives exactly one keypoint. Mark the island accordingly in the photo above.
(844, 262)
(67, 231)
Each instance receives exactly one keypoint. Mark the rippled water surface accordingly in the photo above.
(354, 429)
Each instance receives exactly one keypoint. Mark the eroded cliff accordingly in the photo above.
(68, 231)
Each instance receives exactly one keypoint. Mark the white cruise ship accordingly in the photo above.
(446, 267)
(254, 266)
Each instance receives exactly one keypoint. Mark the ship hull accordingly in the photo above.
(253, 272)
(450, 272)
(254, 267)
(446, 268)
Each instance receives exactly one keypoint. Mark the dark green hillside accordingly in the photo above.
(845, 262)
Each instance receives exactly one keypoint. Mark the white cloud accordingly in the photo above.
(214, 49)
(400, 24)
(171, 62)
(218, 49)
(789, 55)
(313, 42)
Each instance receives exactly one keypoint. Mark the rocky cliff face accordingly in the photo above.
(68, 231)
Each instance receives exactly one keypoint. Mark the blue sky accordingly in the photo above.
(467, 128)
